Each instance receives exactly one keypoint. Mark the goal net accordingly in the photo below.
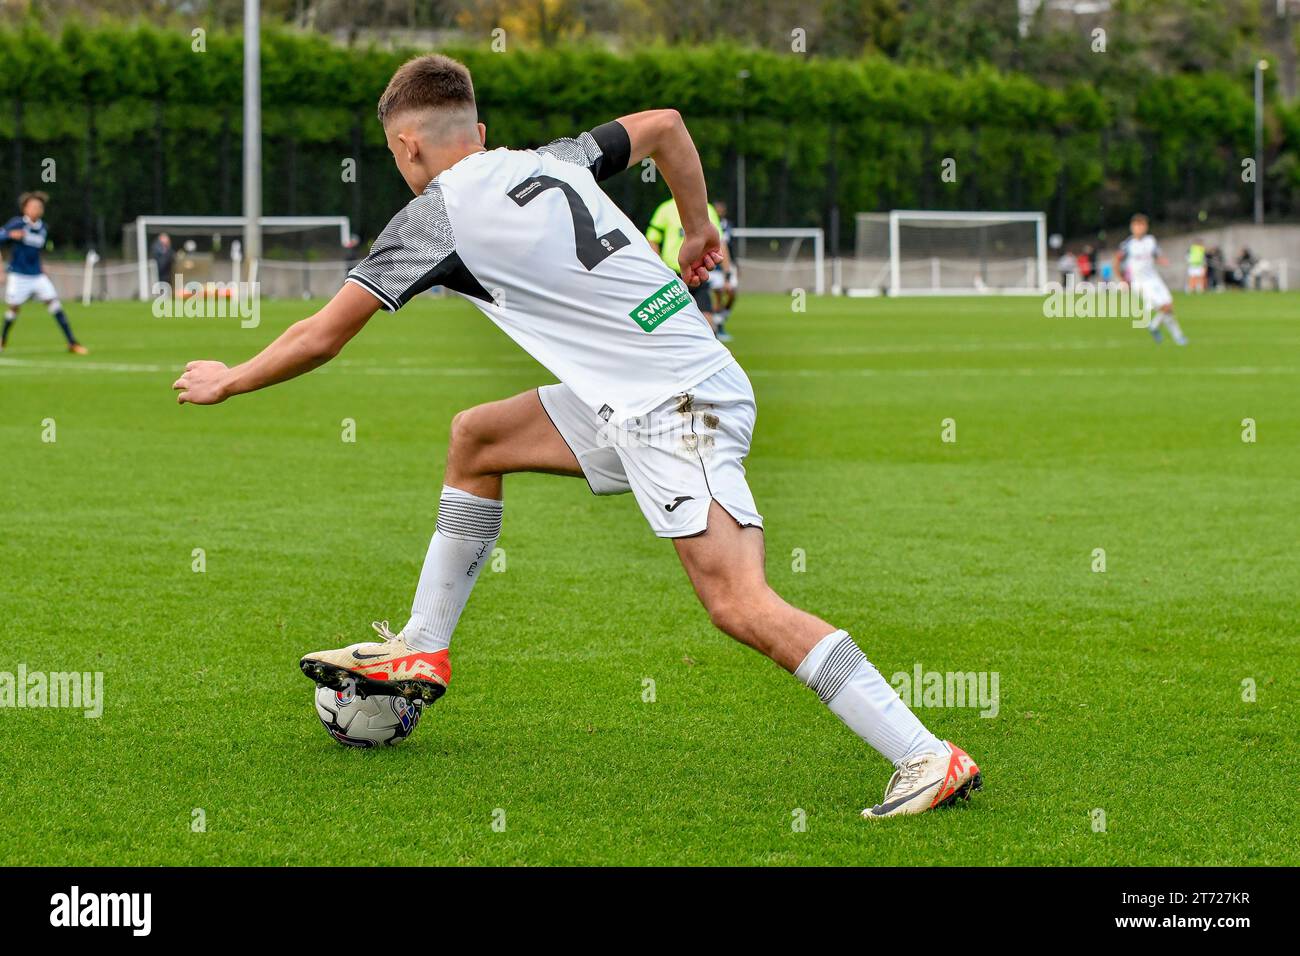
(302, 256)
(780, 260)
(912, 252)
(92, 279)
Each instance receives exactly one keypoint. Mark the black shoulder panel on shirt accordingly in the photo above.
(452, 273)
(615, 149)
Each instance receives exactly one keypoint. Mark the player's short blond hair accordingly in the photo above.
(27, 197)
(1140, 217)
(430, 82)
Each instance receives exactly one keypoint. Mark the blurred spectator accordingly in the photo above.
(1196, 267)
(1214, 268)
(1066, 266)
(1085, 264)
(1240, 275)
(163, 256)
(1107, 269)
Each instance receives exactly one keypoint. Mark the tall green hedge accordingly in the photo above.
(137, 122)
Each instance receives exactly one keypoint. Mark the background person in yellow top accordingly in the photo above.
(665, 234)
(1196, 267)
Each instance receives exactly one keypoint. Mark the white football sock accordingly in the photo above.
(1175, 329)
(467, 530)
(848, 683)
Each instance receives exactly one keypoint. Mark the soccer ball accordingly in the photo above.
(366, 721)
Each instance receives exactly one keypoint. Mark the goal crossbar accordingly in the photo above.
(1036, 272)
(144, 223)
(818, 237)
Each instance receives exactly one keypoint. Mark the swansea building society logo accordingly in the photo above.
(75, 908)
(669, 300)
(67, 689)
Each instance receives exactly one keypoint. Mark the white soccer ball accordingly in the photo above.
(367, 722)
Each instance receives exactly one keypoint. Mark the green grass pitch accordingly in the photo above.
(1124, 732)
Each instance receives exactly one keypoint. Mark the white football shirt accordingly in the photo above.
(1140, 257)
(531, 239)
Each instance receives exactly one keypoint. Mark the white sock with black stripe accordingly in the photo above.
(467, 530)
(848, 683)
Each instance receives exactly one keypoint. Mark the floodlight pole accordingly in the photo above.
(252, 136)
(1260, 66)
(741, 76)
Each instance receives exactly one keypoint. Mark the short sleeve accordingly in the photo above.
(604, 150)
(410, 254)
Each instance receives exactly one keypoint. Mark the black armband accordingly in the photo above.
(615, 149)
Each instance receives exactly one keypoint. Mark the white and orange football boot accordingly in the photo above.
(391, 667)
(927, 782)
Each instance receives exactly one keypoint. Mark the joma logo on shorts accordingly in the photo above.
(665, 302)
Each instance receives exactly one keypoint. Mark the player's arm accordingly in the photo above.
(661, 135)
(305, 345)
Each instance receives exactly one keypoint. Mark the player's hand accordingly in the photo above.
(701, 252)
(203, 383)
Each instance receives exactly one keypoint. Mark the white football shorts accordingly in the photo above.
(20, 288)
(1153, 292)
(675, 459)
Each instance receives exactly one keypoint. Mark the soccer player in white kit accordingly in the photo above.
(648, 400)
(1141, 254)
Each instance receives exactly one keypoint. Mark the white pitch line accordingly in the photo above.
(76, 365)
(966, 347)
(1022, 372)
(33, 365)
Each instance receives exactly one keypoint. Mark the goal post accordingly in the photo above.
(780, 260)
(332, 233)
(937, 252)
